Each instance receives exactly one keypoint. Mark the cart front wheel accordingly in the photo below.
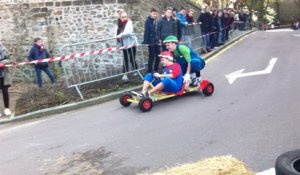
(145, 104)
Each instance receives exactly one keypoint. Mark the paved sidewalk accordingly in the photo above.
(101, 99)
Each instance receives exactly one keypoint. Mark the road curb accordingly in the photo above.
(67, 107)
(98, 100)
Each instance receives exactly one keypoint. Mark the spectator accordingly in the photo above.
(5, 78)
(205, 19)
(190, 28)
(151, 38)
(237, 20)
(221, 22)
(181, 16)
(215, 30)
(126, 37)
(277, 23)
(38, 52)
(228, 23)
(234, 25)
(243, 18)
(296, 24)
(166, 26)
(247, 20)
(178, 25)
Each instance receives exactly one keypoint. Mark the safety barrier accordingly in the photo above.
(108, 62)
(194, 38)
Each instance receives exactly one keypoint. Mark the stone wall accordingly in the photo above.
(56, 22)
(59, 22)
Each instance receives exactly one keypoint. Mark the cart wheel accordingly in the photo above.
(145, 104)
(123, 99)
(209, 89)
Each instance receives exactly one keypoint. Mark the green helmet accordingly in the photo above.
(170, 39)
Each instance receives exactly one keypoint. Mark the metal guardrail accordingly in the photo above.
(105, 65)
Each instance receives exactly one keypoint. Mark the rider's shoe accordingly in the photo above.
(7, 111)
(147, 94)
(143, 94)
(195, 82)
(125, 78)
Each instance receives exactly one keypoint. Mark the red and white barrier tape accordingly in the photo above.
(72, 56)
(82, 54)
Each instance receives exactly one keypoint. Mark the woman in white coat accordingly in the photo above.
(126, 37)
(5, 78)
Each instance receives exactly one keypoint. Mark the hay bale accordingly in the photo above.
(223, 165)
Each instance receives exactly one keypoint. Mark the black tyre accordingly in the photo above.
(145, 104)
(288, 163)
(209, 89)
(124, 99)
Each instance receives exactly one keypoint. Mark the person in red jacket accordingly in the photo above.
(171, 80)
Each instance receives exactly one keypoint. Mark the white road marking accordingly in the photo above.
(267, 172)
(280, 30)
(238, 74)
(298, 35)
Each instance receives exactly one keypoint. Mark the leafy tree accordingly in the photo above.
(262, 8)
(198, 2)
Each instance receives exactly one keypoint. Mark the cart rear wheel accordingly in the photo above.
(145, 104)
(124, 99)
(209, 89)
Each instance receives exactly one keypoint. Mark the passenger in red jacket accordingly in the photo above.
(170, 80)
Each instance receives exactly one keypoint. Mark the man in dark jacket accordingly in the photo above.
(228, 22)
(151, 38)
(243, 18)
(221, 22)
(206, 27)
(215, 30)
(166, 26)
(38, 52)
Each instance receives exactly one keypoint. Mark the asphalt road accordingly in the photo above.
(256, 118)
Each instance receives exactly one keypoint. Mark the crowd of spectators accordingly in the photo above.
(215, 26)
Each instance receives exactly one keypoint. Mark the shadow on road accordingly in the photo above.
(96, 162)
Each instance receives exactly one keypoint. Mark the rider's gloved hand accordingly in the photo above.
(157, 75)
(187, 78)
